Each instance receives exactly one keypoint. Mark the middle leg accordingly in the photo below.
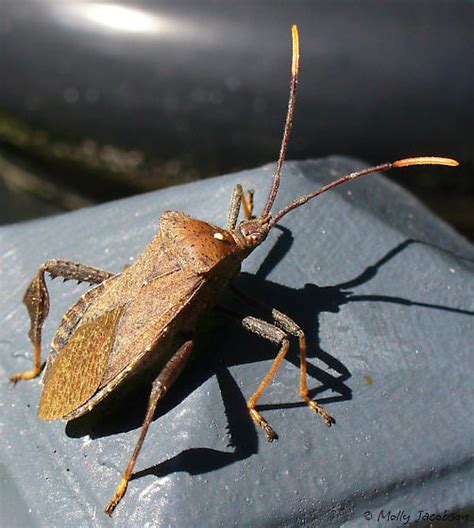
(163, 382)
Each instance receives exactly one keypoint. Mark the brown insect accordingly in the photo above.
(143, 319)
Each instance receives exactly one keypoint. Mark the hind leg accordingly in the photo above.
(36, 299)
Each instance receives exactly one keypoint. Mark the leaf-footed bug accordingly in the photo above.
(144, 317)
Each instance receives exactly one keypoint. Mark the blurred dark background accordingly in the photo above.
(100, 100)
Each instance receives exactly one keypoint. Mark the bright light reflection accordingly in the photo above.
(108, 17)
(116, 18)
(120, 18)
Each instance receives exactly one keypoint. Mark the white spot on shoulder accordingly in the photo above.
(219, 236)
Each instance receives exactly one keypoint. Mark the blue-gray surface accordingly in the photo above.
(384, 291)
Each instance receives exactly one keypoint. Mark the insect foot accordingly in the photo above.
(143, 319)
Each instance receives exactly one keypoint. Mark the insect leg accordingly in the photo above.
(238, 199)
(160, 386)
(36, 299)
(247, 204)
(288, 325)
(280, 338)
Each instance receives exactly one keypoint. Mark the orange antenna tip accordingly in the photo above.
(425, 160)
(296, 50)
(295, 65)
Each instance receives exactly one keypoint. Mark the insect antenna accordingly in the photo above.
(295, 63)
(407, 162)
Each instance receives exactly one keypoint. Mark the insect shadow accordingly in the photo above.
(305, 305)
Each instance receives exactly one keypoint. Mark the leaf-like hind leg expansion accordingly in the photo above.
(239, 199)
(160, 386)
(289, 326)
(36, 299)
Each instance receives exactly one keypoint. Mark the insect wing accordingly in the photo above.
(153, 314)
(79, 367)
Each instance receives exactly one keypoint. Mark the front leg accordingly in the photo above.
(287, 324)
(36, 299)
(239, 199)
(280, 338)
(275, 335)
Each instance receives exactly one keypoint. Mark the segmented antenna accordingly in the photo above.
(295, 63)
(407, 162)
